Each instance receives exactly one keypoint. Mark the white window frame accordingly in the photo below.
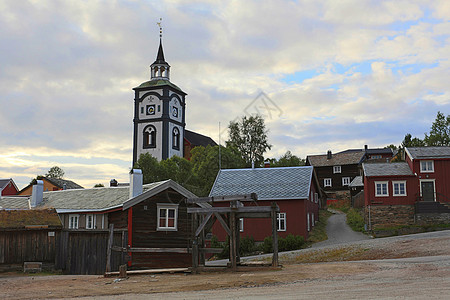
(399, 192)
(167, 207)
(316, 197)
(92, 223)
(281, 219)
(337, 169)
(241, 224)
(74, 224)
(387, 189)
(325, 180)
(426, 169)
(308, 224)
(348, 179)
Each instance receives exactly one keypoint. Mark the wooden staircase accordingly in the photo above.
(432, 207)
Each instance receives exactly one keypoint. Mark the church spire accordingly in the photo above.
(160, 69)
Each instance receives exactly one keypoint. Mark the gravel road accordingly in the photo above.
(339, 232)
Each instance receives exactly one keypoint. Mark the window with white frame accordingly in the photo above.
(327, 182)
(316, 197)
(399, 188)
(73, 221)
(308, 222)
(281, 221)
(345, 181)
(426, 166)
(241, 224)
(381, 189)
(336, 169)
(90, 221)
(167, 216)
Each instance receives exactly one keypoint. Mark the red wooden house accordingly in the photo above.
(8, 187)
(295, 190)
(412, 192)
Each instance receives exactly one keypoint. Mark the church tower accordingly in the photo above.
(159, 113)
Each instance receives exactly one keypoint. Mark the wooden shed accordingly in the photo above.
(28, 235)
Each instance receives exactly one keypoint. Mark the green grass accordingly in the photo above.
(319, 232)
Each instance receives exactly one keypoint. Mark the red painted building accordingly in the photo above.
(410, 192)
(8, 187)
(294, 189)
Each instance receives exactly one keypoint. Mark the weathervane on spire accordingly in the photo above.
(160, 27)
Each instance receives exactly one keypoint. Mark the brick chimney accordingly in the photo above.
(136, 179)
(37, 194)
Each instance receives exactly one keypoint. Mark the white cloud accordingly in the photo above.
(379, 70)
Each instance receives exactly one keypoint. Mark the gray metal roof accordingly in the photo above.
(428, 152)
(267, 183)
(387, 169)
(14, 202)
(357, 181)
(90, 199)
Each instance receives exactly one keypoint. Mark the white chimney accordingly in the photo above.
(135, 183)
(37, 194)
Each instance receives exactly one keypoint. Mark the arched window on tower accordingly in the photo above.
(149, 136)
(176, 138)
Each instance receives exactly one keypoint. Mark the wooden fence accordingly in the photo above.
(72, 251)
(84, 251)
(18, 246)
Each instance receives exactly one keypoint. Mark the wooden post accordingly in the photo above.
(201, 244)
(233, 241)
(195, 255)
(108, 252)
(237, 226)
(274, 235)
(123, 271)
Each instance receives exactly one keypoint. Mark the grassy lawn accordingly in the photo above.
(319, 232)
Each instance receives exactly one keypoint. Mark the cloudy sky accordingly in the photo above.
(325, 74)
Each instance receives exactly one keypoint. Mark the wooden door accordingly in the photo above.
(427, 190)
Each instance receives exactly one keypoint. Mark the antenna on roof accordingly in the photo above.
(220, 159)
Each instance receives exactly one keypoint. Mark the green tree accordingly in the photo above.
(410, 141)
(150, 168)
(99, 185)
(205, 162)
(55, 172)
(249, 137)
(287, 160)
(440, 131)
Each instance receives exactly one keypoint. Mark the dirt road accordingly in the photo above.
(415, 267)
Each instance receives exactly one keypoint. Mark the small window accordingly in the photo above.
(375, 157)
(176, 138)
(241, 224)
(345, 180)
(426, 166)
(90, 221)
(149, 137)
(316, 197)
(327, 182)
(399, 188)
(281, 221)
(336, 169)
(381, 189)
(167, 216)
(73, 221)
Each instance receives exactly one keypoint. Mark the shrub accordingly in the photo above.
(355, 220)
(294, 242)
(291, 242)
(247, 246)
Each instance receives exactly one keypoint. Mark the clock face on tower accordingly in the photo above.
(175, 112)
(151, 109)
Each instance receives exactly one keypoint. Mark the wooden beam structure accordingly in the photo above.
(204, 216)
